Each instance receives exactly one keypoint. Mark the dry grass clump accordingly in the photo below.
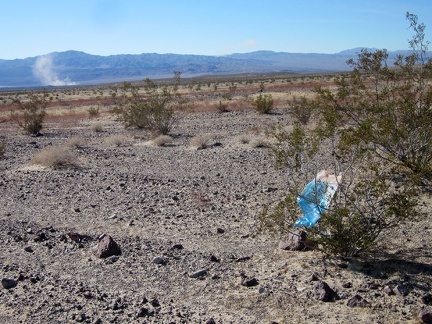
(200, 141)
(259, 142)
(96, 127)
(77, 142)
(162, 140)
(55, 156)
(244, 139)
(118, 140)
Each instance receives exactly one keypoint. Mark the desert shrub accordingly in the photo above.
(93, 111)
(55, 156)
(118, 140)
(97, 127)
(32, 113)
(162, 140)
(301, 109)
(200, 141)
(244, 139)
(257, 142)
(263, 103)
(373, 130)
(221, 107)
(153, 112)
(77, 142)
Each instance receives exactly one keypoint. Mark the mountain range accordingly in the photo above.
(79, 68)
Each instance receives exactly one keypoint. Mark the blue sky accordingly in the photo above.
(217, 27)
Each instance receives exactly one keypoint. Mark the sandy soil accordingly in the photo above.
(186, 224)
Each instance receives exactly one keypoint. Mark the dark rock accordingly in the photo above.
(427, 299)
(40, 237)
(112, 259)
(347, 285)
(358, 301)
(159, 260)
(242, 259)
(155, 303)
(401, 290)
(8, 283)
(177, 247)
(323, 292)
(425, 316)
(144, 312)
(198, 274)
(313, 277)
(374, 286)
(249, 282)
(220, 230)
(106, 248)
(210, 321)
(295, 241)
(214, 259)
(387, 290)
(28, 249)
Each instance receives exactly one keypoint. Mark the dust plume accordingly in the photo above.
(43, 69)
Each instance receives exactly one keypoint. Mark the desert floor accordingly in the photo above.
(186, 223)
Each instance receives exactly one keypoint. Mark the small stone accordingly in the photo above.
(106, 248)
(177, 247)
(401, 290)
(210, 321)
(8, 283)
(214, 259)
(198, 274)
(220, 230)
(347, 285)
(295, 241)
(28, 249)
(77, 210)
(427, 299)
(323, 292)
(388, 291)
(155, 303)
(313, 277)
(425, 316)
(249, 282)
(144, 312)
(111, 259)
(374, 286)
(358, 301)
(159, 260)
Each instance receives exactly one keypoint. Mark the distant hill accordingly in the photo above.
(79, 68)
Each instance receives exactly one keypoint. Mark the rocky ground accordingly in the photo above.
(185, 222)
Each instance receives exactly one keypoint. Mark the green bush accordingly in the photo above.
(375, 130)
(263, 103)
(153, 112)
(32, 113)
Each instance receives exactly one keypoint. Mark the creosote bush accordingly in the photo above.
(263, 103)
(32, 113)
(153, 112)
(55, 156)
(374, 130)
